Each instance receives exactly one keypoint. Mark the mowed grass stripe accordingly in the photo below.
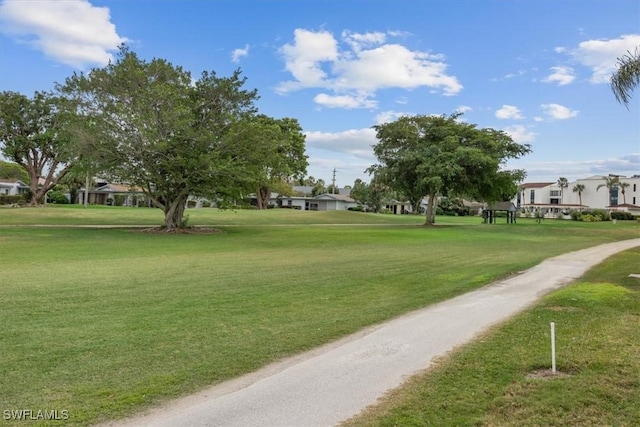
(104, 322)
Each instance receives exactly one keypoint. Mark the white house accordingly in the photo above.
(12, 187)
(322, 202)
(624, 195)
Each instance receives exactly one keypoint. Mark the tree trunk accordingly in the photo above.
(174, 213)
(263, 196)
(431, 210)
(86, 192)
(415, 206)
(33, 186)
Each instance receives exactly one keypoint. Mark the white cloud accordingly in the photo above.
(394, 66)
(303, 59)
(344, 101)
(463, 109)
(520, 134)
(361, 65)
(561, 75)
(357, 40)
(239, 53)
(519, 73)
(550, 171)
(558, 112)
(389, 116)
(356, 142)
(601, 55)
(509, 112)
(72, 32)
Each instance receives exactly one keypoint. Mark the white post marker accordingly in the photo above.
(553, 347)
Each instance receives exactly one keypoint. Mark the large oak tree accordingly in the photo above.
(167, 134)
(429, 156)
(36, 134)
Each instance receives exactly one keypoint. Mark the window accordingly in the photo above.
(532, 196)
(634, 188)
(555, 193)
(613, 196)
(289, 202)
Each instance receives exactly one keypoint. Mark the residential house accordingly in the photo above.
(114, 194)
(322, 202)
(12, 187)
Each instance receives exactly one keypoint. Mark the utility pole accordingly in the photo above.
(333, 182)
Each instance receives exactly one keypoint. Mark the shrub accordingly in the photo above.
(591, 218)
(206, 204)
(356, 208)
(192, 203)
(10, 200)
(602, 214)
(119, 199)
(57, 197)
(576, 215)
(622, 216)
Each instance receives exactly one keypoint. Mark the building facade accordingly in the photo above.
(610, 192)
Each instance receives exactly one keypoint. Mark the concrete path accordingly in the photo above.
(336, 381)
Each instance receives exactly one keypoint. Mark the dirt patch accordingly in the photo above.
(185, 230)
(569, 309)
(546, 374)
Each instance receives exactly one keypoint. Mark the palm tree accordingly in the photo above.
(611, 182)
(562, 183)
(622, 186)
(579, 188)
(627, 76)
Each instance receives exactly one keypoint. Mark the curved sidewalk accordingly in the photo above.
(334, 382)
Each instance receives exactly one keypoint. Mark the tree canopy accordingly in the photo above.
(276, 150)
(36, 134)
(165, 133)
(429, 155)
(11, 170)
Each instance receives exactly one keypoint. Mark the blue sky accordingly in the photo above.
(536, 69)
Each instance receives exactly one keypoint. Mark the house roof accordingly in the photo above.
(335, 197)
(536, 184)
(119, 188)
(12, 183)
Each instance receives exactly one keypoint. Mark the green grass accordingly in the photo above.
(104, 322)
(115, 215)
(488, 382)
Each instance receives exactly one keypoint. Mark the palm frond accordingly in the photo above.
(627, 76)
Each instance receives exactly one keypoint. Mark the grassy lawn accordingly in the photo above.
(104, 322)
(116, 215)
(489, 382)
